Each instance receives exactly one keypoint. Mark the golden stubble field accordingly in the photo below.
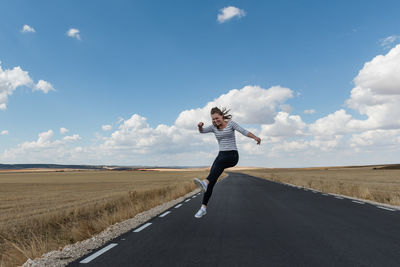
(379, 184)
(42, 211)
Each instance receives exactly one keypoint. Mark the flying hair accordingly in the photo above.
(224, 112)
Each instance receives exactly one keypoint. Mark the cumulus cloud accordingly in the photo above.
(309, 111)
(228, 13)
(249, 105)
(284, 125)
(377, 92)
(11, 79)
(74, 33)
(72, 138)
(43, 86)
(43, 150)
(4, 132)
(63, 130)
(106, 127)
(27, 28)
(377, 138)
(332, 124)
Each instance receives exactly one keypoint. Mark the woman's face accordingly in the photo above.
(217, 119)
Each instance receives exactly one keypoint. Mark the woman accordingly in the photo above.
(223, 128)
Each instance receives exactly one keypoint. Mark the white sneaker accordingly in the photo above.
(201, 184)
(202, 211)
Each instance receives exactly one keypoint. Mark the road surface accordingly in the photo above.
(255, 222)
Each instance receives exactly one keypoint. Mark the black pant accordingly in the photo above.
(225, 159)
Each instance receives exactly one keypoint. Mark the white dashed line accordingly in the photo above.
(385, 208)
(164, 214)
(338, 197)
(359, 202)
(177, 206)
(315, 191)
(326, 194)
(98, 253)
(194, 196)
(142, 227)
(187, 200)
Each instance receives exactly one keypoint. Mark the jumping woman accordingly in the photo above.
(224, 129)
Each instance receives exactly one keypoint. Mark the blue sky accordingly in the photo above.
(157, 59)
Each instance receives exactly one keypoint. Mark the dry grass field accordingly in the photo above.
(372, 183)
(42, 211)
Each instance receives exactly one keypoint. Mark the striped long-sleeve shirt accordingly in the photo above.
(226, 137)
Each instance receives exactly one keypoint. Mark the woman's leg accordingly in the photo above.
(225, 159)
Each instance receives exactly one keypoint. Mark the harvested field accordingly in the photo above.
(42, 211)
(375, 183)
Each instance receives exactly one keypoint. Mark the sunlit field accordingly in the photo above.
(42, 211)
(371, 183)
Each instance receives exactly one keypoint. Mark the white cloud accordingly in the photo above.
(43, 86)
(63, 130)
(106, 127)
(388, 41)
(249, 105)
(377, 92)
(309, 111)
(74, 137)
(284, 125)
(228, 13)
(74, 33)
(4, 132)
(335, 123)
(11, 79)
(45, 150)
(377, 138)
(27, 28)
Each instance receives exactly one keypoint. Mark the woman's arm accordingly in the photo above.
(245, 132)
(254, 137)
(204, 130)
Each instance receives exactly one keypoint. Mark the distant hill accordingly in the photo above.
(388, 167)
(46, 166)
(85, 167)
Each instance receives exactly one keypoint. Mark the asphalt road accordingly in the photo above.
(255, 222)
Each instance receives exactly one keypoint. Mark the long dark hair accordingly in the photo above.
(224, 113)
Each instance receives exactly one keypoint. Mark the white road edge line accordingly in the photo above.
(142, 227)
(177, 206)
(359, 202)
(194, 196)
(385, 208)
(187, 200)
(164, 214)
(98, 253)
(338, 197)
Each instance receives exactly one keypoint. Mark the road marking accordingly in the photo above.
(385, 208)
(187, 200)
(98, 253)
(194, 196)
(326, 194)
(177, 206)
(315, 191)
(142, 227)
(359, 202)
(338, 197)
(164, 214)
